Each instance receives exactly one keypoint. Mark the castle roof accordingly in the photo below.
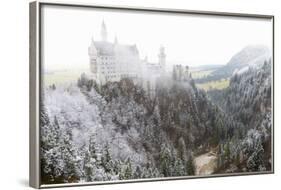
(110, 49)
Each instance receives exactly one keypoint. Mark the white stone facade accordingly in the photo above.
(112, 61)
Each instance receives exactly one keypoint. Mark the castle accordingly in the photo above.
(181, 73)
(112, 61)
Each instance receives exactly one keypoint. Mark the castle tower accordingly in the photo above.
(103, 32)
(162, 58)
(92, 52)
(186, 73)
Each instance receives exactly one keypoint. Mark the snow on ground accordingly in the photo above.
(205, 164)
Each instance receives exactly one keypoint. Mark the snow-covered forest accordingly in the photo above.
(117, 131)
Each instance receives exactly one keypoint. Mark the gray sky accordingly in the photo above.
(189, 39)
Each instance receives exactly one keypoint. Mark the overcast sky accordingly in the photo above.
(190, 39)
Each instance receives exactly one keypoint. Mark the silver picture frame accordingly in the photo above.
(35, 55)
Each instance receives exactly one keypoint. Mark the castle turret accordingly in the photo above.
(181, 73)
(92, 52)
(103, 32)
(162, 58)
(186, 73)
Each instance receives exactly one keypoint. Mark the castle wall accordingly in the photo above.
(113, 61)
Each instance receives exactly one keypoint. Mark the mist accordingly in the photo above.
(189, 40)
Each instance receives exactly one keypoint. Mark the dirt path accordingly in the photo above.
(205, 164)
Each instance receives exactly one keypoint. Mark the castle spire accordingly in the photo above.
(162, 58)
(103, 32)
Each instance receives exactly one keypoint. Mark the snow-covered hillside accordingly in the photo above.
(249, 57)
(247, 101)
(118, 131)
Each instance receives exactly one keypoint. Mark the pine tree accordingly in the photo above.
(51, 171)
(128, 173)
(90, 160)
(179, 168)
(71, 169)
(182, 149)
(189, 166)
(137, 173)
(107, 162)
(44, 119)
(88, 168)
(256, 161)
(165, 161)
(227, 152)
(92, 148)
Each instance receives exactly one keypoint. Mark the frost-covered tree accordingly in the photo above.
(256, 161)
(128, 172)
(89, 130)
(71, 169)
(190, 168)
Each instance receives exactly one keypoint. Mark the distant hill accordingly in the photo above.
(249, 56)
(206, 67)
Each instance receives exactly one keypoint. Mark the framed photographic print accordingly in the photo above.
(131, 94)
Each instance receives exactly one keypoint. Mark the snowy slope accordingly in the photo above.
(250, 56)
